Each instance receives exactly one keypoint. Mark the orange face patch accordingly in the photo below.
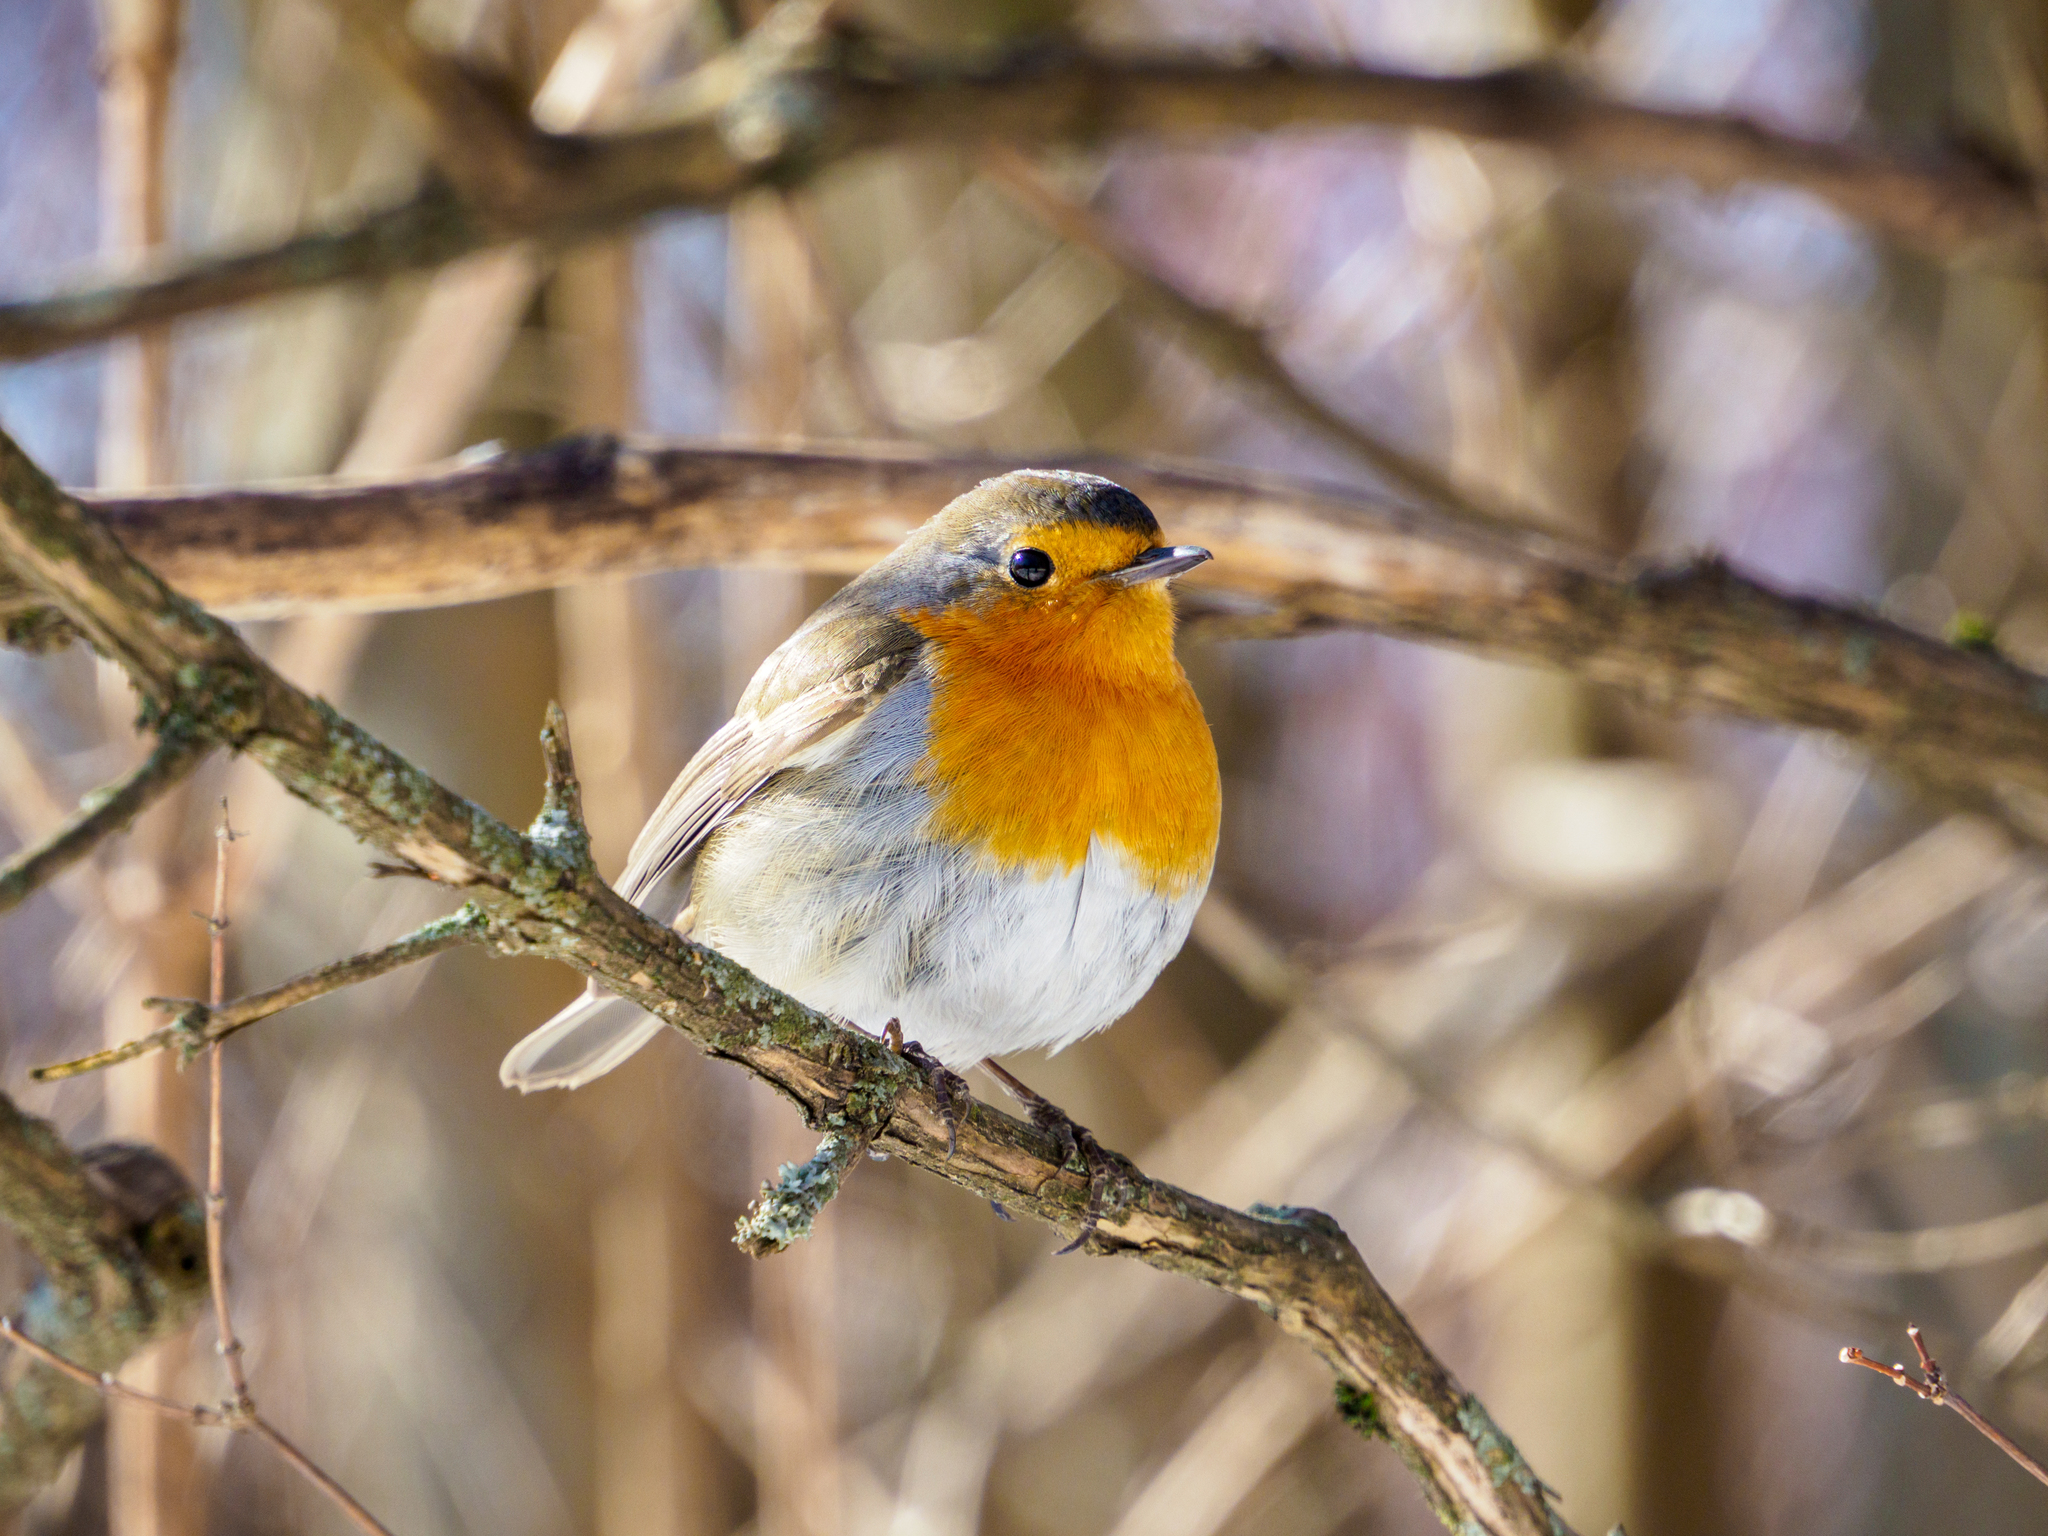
(1060, 713)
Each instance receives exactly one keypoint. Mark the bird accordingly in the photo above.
(970, 805)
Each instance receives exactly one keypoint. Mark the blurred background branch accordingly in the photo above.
(1970, 727)
(784, 126)
(1650, 1054)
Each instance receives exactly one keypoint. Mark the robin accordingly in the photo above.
(971, 801)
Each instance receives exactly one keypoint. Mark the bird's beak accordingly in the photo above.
(1159, 564)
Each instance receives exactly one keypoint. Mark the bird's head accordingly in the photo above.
(1051, 558)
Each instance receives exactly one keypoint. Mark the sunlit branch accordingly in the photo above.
(1291, 558)
(1932, 1387)
(547, 899)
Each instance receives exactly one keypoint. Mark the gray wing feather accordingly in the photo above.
(822, 680)
(748, 751)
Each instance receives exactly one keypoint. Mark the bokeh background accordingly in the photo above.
(1648, 1061)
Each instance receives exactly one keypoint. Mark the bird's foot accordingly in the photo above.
(948, 1087)
(1076, 1141)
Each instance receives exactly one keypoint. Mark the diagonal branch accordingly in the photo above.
(200, 1024)
(479, 139)
(1932, 1387)
(1230, 348)
(425, 230)
(547, 899)
(104, 813)
(1291, 557)
(782, 126)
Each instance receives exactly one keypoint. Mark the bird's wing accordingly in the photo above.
(821, 682)
(746, 753)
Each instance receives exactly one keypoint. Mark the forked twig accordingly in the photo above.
(241, 1408)
(202, 1024)
(226, 1417)
(1932, 1387)
(106, 1383)
(239, 1411)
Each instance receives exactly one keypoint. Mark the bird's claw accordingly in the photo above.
(948, 1087)
(1077, 1141)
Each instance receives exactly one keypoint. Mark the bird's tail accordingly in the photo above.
(584, 1041)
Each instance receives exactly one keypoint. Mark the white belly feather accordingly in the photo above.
(866, 919)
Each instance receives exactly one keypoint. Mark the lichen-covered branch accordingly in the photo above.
(789, 1203)
(121, 1238)
(1290, 557)
(545, 897)
(784, 125)
(103, 814)
(198, 1025)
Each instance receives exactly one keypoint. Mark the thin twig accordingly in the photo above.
(1934, 1388)
(230, 1347)
(106, 1382)
(311, 1471)
(239, 1412)
(242, 1416)
(200, 1024)
(104, 813)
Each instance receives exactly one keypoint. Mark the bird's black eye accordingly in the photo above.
(1030, 567)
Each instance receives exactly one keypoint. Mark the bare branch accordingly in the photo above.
(548, 900)
(481, 142)
(234, 1416)
(1230, 348)
(106, 1384)
(1933, 1387)
(199, 1025)
(783, 125)
(313, 1473)
(1291, 557)
(425, 230)
(104, 813)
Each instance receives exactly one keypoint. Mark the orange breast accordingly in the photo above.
(1055, 722)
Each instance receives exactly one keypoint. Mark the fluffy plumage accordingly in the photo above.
(984, 811)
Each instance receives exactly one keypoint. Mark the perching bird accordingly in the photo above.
(973, 795)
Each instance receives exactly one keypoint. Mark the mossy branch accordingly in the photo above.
(120, 1235)
(790, 1203)
(543, 897)
(104, 813)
